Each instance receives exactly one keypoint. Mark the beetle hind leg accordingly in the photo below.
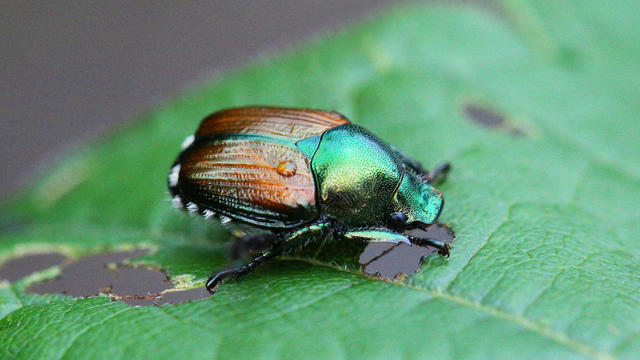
(286, 241)
(245, 245)
(216, 278)
(238, 272)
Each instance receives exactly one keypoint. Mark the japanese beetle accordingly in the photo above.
(294, 173)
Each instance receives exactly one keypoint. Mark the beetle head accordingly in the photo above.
(417, 200)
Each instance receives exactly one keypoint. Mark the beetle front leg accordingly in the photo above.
(386, 235)
(436, 176)
(439, 173)
(408, 161)
(443, 247)
(288, 241)
(375, 235)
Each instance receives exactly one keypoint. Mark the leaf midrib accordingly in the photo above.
(537, 327)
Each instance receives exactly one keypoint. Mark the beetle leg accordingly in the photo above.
(411, 163)
(439, 173)
(214, 280)
(376, 235)
(385, 235)
(245, 245)
(289, 240)
(443, 248)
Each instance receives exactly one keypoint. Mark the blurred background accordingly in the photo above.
(71, 70)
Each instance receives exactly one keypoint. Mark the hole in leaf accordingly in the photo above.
(389, 261)
(92, 275)
(84, 277)
(18, 268)
(172, 297)
(395, 261)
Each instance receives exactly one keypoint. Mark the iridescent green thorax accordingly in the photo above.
(356, 176)
(361, 181)
(417, 199)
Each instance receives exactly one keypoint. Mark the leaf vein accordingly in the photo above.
(83, 331)
(536, 327)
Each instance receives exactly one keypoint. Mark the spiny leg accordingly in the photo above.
(411, 163)
(443, 247)
(215, 279)
(388, 235)
(289, 241)
(247, 244)
(376, 235)
(439, 173)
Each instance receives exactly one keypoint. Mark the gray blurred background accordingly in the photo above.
(71, 70)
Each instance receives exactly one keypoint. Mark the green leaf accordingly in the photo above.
(544, 202)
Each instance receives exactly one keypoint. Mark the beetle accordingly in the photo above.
(297, 173)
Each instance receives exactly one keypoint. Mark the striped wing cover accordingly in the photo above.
(282, 123)
(233, 173)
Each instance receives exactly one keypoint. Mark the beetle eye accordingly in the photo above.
(398, 220)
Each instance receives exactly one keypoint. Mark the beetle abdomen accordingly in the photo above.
(248, 178)
(281, 123)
